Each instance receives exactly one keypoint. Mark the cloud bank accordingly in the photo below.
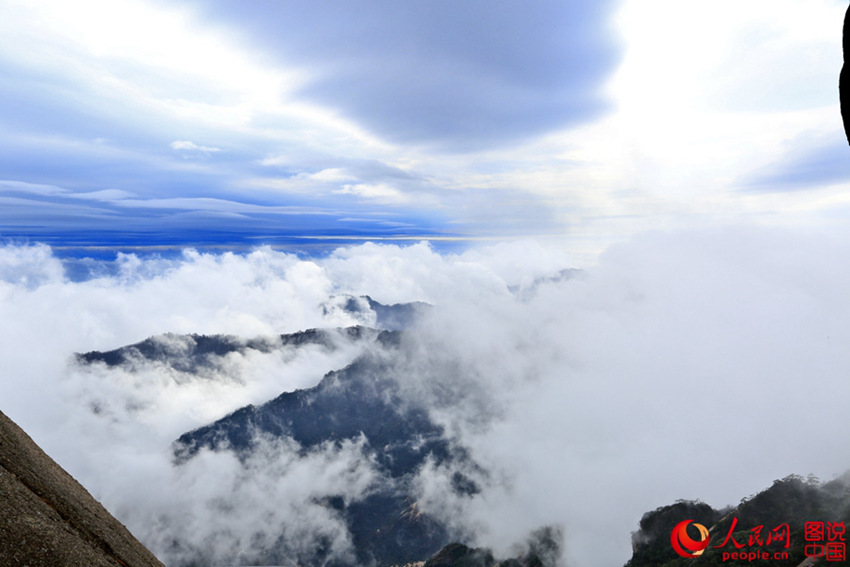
(473, 119)
(457, 76)
(678, 367)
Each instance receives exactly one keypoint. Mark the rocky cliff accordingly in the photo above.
(47, 519)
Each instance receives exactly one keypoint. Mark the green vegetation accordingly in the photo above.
(735, 537)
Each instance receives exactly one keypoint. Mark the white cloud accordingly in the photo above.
(191, 146)
(675, 364)
(215, 205)
(28, 268)
(332, 174)
(696, 113)
(104, 195)
(698, 105)
(378, 192)
(195, 76)
(32, 188)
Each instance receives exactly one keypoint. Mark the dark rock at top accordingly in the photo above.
(844, 78)
(47, 519)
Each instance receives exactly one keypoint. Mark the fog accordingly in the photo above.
(693, 364)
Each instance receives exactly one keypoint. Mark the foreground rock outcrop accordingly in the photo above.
(47, 519)
(844, 77)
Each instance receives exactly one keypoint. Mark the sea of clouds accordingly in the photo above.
(695, 364)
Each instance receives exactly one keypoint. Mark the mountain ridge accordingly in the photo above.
(358, 402)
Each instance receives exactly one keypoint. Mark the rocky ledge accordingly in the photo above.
(47, 519)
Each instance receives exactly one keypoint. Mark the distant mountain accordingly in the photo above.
(792, 501)
(48, 520)
(195, 353)
(367, 311)
(527, 292)
(543, 549)
(366, 405)
(362, 403)
(361, 400)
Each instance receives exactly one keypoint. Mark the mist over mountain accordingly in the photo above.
(197, 354)
(395, 317)
(571, 402)
(361, 406)
(543, 548)
(192, 353)
(366, 408)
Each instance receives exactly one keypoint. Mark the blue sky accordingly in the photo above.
(181, 122)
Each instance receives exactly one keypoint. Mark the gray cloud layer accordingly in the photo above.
(458, 75)
(808, 162)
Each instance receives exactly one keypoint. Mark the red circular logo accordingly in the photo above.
(684, 544)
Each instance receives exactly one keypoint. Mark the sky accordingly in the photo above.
(181, 122)
(164, 166)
